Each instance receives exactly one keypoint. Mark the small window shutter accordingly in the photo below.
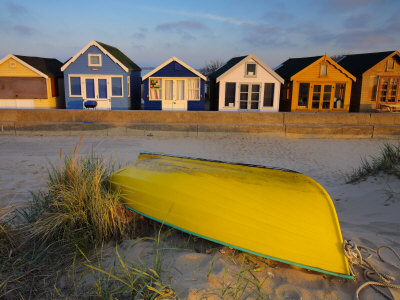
(269, 94)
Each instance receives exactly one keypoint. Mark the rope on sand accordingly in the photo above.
(355, 257)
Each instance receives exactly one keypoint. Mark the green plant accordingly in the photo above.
(387, 161)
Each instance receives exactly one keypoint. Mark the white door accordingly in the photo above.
(174, 95)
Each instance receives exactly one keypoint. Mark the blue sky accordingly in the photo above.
(150, 32)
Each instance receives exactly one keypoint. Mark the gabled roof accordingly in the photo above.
(230, 63)
(294, 65)
(115, 54)
(168, 62)
(233, 62)
(46, 67)
(357, 64)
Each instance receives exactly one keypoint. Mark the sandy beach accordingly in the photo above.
(368, 211)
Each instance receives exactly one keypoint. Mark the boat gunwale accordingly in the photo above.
(220, 161)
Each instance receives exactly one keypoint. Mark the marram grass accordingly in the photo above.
(387, 161)
(78, 205)
(77, 210)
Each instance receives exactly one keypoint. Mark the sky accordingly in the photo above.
(197, 32)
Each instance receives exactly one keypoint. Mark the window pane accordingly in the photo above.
(269, 94)
(230, 91)
(155, 88)
(243, 105)
(169, 89)
(323, 70)
(75, 83)
(90, 88)
(180, 90)
(316, 96)
(303, 94)
(102, 88)
(251, 69)
(255, 88)
(116, 83)
(244, 88)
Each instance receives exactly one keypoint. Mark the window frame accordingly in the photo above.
(69, 85)
(234, 94)
(90, 55)
(271, 84)
(191, 90)
(321, 68)
(388, 67)
(122, 86)
(160, 89)
(246, 73)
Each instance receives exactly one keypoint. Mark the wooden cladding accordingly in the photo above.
(23, 88)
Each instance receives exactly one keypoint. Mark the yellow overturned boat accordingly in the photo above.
(278, 214)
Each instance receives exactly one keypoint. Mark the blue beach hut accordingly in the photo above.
(100, 76)
(173, 86)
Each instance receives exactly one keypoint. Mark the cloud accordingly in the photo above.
(265, 35)
(275, 15)
(363, 39)
(15, 8)
(181, 26)
(139, 36)
(357, 21)
(345, 5)
(23, 30)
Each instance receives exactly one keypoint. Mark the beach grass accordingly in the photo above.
(77, 211)
(387, 161)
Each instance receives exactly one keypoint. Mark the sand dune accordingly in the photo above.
(368, 211)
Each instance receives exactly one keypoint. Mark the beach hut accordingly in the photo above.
(378, 79)
(31, 82)
(245, 83)
(100, 76)
(173, 86)
(315, 84)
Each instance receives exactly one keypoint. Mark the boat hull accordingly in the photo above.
(278, 214)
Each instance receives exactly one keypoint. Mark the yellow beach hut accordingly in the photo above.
(31, 82)
(315, 84)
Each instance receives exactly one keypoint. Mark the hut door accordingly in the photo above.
(96, 89)
(174, 91)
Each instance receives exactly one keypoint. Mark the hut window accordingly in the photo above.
(75, 86)
(316, 96)
(250, 69)
(230, 91)
(155, 88)
(194, 89)
(116, 86)
(323, 70)
(304, 89)
(94, 60)
(339, 95)
(128, 85)
(390, 64)
(269, 94)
